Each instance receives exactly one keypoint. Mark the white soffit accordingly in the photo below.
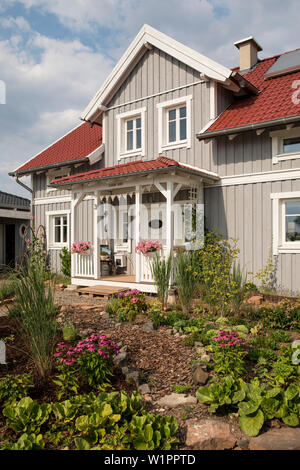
(150, 36)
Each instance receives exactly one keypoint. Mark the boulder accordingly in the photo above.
(121, 359)
(149, 327)
(255, 300)
(209, 434)
(200, 377)
(144, 389)
(277, 439)
(177, 399)
(132, 376)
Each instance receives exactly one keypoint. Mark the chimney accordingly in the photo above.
(248, 48)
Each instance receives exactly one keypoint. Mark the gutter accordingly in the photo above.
(139, 173)
(47, 167)
(247, 127)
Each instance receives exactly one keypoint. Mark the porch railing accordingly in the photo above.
(83, 264)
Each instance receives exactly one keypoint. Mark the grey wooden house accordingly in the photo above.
(170, 131)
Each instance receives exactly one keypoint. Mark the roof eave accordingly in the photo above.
(48, 167)
(247, 127)
(138, 173)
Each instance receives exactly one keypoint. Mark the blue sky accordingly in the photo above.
(55, 54)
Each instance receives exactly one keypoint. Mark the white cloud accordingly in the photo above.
(50, 81)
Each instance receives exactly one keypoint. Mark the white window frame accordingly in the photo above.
(56, 173)
(277, 144)
(163, 109)
(50, 215)
(280, 245)
(121, 133)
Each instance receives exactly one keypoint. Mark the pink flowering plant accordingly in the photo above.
(148, 246)
(92, 357)
(229, 354)
(81, 247)
(131, 303)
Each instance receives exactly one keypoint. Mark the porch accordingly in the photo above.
(135, 203)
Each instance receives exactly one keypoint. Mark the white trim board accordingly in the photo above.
(150, 36)
(263, 177)
(143, 287)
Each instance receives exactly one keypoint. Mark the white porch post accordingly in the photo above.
(170, 218)
(137, 233)
(96, 237)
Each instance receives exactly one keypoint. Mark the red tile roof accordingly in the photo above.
(273, 102)
(76, 145)
(129, 168)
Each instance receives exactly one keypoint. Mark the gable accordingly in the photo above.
(146, 39)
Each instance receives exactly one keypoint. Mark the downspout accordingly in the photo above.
(23, 185)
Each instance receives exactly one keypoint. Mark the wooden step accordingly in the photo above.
(99, 291)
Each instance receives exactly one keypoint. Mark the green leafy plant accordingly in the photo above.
(283, 316)
(65, 256)
(229, 354)
(25, 442)
(67, 381)
(239, 285)
(131, 303)
(27, 416)
(13, 388)
(161, 270)
(7, 291)
(181, 388)
(149, 432)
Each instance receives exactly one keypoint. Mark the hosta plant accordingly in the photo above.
(27, 416)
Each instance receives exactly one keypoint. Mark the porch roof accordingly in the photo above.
(133, 168)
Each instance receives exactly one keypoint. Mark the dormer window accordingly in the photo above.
(131, 133)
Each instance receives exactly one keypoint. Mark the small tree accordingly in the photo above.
(161, 270)
(215, 261)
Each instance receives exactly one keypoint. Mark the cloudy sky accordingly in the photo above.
(55, 54)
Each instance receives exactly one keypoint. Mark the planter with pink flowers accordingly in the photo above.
(148, 247)
(81, 247)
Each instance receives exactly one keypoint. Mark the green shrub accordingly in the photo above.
(112, 307)
(284, 371)
(7, 291)
(67, 382)
(283, 316)
(13, 388)
(161, 270)
(69, 332)
(25, 442)
(229, 354)
(256, 353)
(267, 342)
(238, 283)
(186, 278)
(281, 336)
(65, 256)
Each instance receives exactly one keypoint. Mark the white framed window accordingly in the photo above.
(286, 222)
(285, 144)
(131, 133)
(174, 124)
(55, 174)
(58, 229)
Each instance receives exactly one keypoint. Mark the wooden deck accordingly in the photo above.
(99, 291)
(119, 278)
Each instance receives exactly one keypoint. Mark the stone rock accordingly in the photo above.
(198, 344)
(144, 389)
(200, 351)
(169, 332)
(148, 327)
(255, 300)
(199, 376)
(124, 370)
(71, 287)
(177, 399)
(123, 348)
(209, 435)
(205, 357)
(277, 439)
(133, 376)
(147, 398)
(243, 444)
(121, 359)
